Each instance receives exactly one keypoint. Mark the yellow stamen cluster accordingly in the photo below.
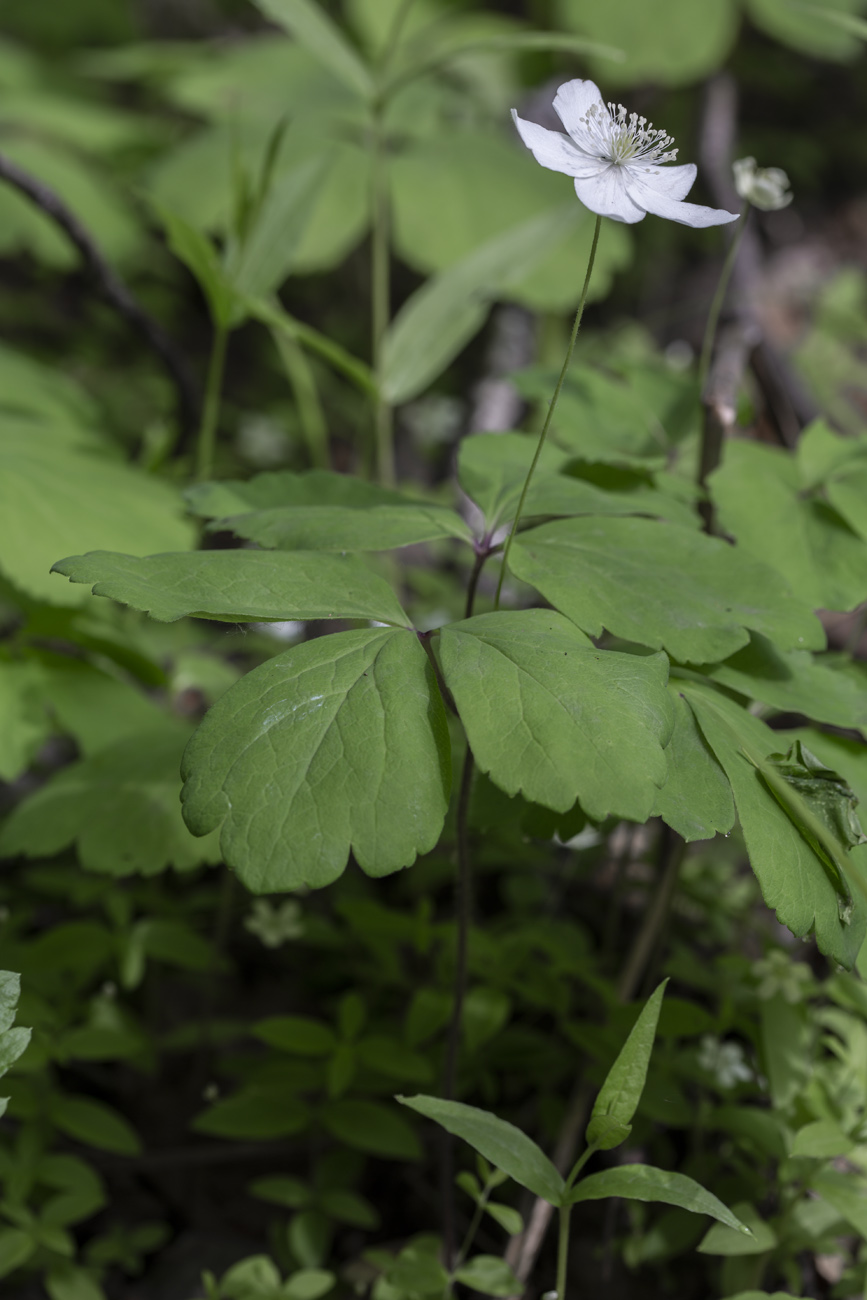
(622, 137)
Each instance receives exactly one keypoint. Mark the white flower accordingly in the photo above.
(765, 187)
(615, 160)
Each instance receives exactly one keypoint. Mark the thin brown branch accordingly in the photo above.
(111, 286)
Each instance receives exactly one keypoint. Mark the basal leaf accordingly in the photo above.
(621, 1092)
(696, 800)
(504, 1145)
(661, 585)
(238, 586)
(644, 1183)
(794, 881)
(119, 807)
(549, 715)
(311, 26)
(339, 744)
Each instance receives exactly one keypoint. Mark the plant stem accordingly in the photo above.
(211, 409)
(464, 900)
(563, 1251)
(718, 300)
(481, 556)
(314, 426)
(580, 1163)
(380, 301)
(543, 435)
(670, 856)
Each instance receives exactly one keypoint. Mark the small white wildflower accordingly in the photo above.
(765, 187)
(725, 1061)
(615, 160)
(273, 926)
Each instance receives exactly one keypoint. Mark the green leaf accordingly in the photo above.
(696, 800)
(442, 316)
(60, 490)
(454, 190)
(501, 1143)
(237, 586)
(794, 881)
(348, 1207)
(846, 1193)
(761, 500)
(308, 1284)
(95, 707)
(256, 1111)
(506, 1217)
(313, 29)
(266, 255)
(67, 1281)
(786, 1044)
(492, 468)
(25, 724)
(297, 1034)
(821, 1140)
(95, 1124)
(821, 31)
(599, 418)
(621, 1092)
(321, 510)
(282, 1190)
(644, 1183)
(197, 252)
(120, 807)
(794, 681)
(551, 716)
(10, 991)
(16, 1247)
(338, 744)
(662, 586)
(13, 1043)
(371, 1127)
(673, 52)
(490, 1275)
(723, 1240)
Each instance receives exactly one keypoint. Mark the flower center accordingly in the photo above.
(622, 137)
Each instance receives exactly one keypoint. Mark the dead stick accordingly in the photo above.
(110, 284)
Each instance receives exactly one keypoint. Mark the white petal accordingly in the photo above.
(551, 148)
(604, 192)
(676, 182)
(571, 103)
(657, 198)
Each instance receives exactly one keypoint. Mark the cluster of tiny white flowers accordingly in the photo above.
(623, 137)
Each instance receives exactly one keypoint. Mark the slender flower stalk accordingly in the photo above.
(713, 315)
(551, 408)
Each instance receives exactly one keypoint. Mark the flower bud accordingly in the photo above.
(764, 187)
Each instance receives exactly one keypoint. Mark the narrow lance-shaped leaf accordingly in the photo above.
(644, 1183)
(621, 1092)
(504, 1145)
